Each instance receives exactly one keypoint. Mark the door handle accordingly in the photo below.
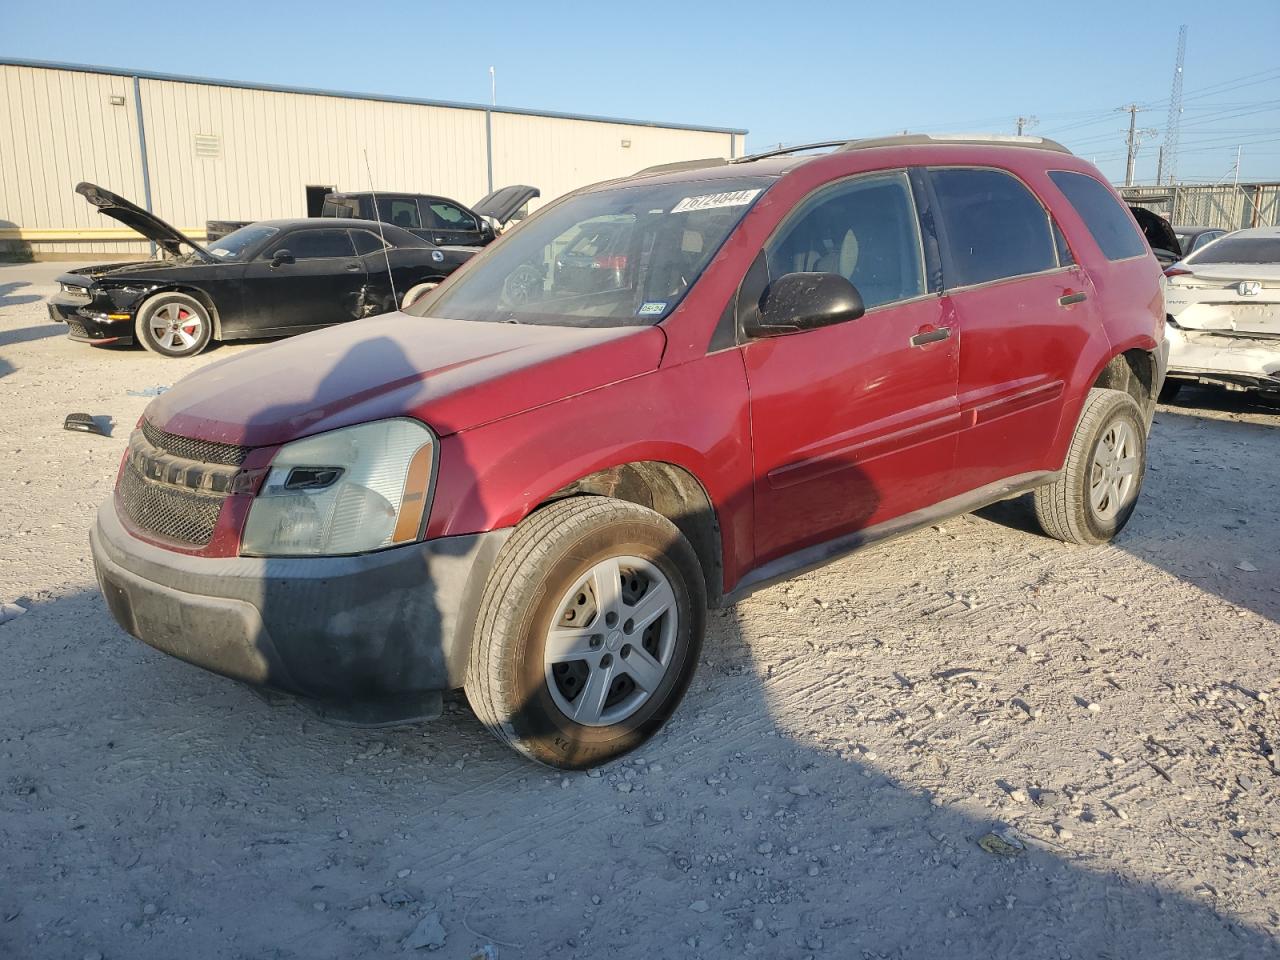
(930, 336)
(1067, 299)
(352, 267)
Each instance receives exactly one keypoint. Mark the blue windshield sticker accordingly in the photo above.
(652, 308)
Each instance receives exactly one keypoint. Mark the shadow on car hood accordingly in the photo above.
(451, 374)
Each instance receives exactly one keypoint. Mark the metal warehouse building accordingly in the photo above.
(194, 149)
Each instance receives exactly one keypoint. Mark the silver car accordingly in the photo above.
(1223, 306)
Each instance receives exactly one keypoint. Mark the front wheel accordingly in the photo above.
(418, 291)
(174, 325)
(588, 633)
(1093, 498)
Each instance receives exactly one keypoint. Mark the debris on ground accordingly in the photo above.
(1002, 843)
(86, 423)
(429, 933)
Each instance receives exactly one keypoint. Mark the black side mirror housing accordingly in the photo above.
(281, 256)
(804, 301)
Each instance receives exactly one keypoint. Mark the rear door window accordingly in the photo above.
(995, 227)
(1110, 224)
(402, 213)
(316, 244)
(366, 242)
(865, 230)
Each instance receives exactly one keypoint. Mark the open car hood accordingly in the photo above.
(148, 224)
(503, 204)
(1156, 229)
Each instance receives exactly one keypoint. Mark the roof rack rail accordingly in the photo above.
(995, 139)
(679, 165)
(784, 151)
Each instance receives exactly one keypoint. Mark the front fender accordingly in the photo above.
(694, 416)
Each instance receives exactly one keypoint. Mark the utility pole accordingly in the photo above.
(1134, 141)
(493, 87)
(1024, 123)
(1238, 149)
(1160, 166)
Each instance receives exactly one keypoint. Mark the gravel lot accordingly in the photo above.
(848, 741)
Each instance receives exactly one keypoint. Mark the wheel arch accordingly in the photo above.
(1132, 372)
(670, 490)
(195, 293)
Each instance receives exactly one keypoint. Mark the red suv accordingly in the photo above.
(534, 483)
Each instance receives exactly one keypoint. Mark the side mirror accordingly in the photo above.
(804, 301)
(281, 256)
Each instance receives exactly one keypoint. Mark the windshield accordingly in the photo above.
(609, 258)
(1239, 250)
(234, 245)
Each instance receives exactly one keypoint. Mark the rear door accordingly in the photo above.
(447, 223)
(1025, 310)
(323, 284)
(855, 423)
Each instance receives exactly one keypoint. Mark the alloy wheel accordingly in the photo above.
(1114, 470)
(611, 641)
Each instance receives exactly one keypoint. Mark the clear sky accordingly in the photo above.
(788, 72)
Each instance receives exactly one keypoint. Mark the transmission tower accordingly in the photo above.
(1175, 111)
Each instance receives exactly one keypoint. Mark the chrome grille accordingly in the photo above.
(166, 510)
(206, 451)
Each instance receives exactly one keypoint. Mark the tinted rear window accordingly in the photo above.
(1109, 223)
(1239, 250)
(995, 226)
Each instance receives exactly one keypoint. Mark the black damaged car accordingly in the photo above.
(268, 279)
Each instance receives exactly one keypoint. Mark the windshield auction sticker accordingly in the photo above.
(709, 201)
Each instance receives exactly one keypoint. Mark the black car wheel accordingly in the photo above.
(174, 325)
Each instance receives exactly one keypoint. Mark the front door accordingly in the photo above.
(447, 224)
(321, 282)
(853, 424)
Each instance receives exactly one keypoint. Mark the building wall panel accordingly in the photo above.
(58, 127)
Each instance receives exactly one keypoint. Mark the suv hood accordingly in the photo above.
(451, 374)
(502, 205)
(113, 205)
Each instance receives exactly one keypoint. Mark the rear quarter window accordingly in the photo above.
(1109, 223)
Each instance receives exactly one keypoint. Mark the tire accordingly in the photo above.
(1170, 391)
(416, 292)
(174, 325)
(1092, 500)
(557, 557)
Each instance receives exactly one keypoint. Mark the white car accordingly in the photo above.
(1223, 307)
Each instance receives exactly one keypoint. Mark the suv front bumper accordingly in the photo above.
(392, 623)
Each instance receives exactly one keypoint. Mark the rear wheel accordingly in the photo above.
(174, 325)
(588, 632)
(1095, 495)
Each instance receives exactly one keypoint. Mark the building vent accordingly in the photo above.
(208, 145)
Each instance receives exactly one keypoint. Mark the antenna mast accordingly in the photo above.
(391, 277)
(1175, 110)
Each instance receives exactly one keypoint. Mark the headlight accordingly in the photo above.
(347, 491)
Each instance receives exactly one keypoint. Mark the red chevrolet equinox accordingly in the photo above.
(654, 396)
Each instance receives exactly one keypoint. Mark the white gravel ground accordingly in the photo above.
(848, 741)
